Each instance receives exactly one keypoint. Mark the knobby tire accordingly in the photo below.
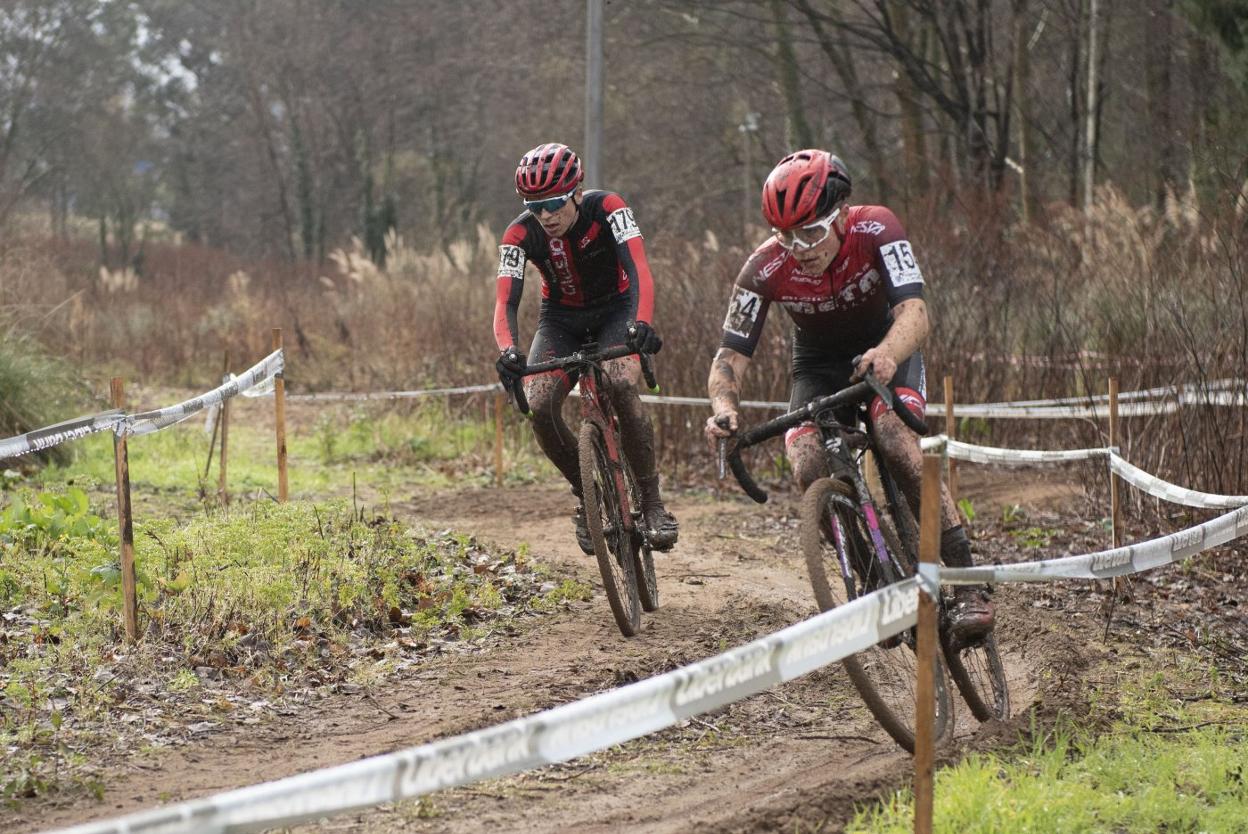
(976, 669)
(886, 678)
(613, 546)
(643, 555)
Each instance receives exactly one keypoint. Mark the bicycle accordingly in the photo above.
(608, 489)
(840, 523)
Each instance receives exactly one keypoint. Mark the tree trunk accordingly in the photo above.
(1022, 109)
(800, 135)
(837, 52)
(1089, 150)
(1158, 36)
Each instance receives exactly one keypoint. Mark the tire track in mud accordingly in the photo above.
(805, 750)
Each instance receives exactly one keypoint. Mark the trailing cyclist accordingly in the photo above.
(595, 280)
(849, 280)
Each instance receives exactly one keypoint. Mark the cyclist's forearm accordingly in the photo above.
(506, 307)
(908, 331)
(723, 385)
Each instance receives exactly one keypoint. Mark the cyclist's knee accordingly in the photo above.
(546, 394)
(806, 458)
(622, 374)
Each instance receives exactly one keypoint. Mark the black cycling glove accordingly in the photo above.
(643, 339)
(510, 366)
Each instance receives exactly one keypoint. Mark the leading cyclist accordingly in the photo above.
(848, 278)
(595, 280)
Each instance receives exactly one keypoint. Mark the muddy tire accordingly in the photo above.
(647, 581)
(613, 546)
(886, 676)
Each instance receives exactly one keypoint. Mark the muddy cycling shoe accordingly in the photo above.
(662, 527)
(972, 615)
(582, 531)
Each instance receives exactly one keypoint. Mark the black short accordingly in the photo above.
(817, 378)
(562, 330)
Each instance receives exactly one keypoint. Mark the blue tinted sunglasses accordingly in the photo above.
(551, 204)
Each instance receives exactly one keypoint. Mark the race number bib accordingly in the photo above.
(623, 225)
(511, 262)
(899, 263)
(743, 312)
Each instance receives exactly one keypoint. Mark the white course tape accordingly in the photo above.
(958, 450)
(1194, 391)
(150, 421)
(330, 396)
(1117, 562)
(1155, 486)
(49, 436)
(555, 735)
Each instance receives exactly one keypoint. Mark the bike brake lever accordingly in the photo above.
(721, 446)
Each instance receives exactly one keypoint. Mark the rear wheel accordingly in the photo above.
(613, 546)
(980, 676)
(975, 668)
(843, 566)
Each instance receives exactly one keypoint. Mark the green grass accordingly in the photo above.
(1164, 765)
(325, 589)
(36, 390)
(379, 451)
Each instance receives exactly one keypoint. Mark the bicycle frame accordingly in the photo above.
(842, 465)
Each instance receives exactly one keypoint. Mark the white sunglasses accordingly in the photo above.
(807, 237)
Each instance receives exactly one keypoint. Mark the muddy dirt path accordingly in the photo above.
(806, 750)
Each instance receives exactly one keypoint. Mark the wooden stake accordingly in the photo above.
(951, 432)
(279, 410)
(925, 695)
(499, 402)
(1115, 511)
(222, 485)
(125, 523)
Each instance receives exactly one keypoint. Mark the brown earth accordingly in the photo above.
(803, 754)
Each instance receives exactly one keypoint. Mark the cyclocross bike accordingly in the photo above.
(608, 488)
(852, 549)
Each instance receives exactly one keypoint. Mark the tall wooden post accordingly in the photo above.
(279, 410)
(925, 695)
(125, 522)
(1114, 438)
(222, 485)
(499, 403)
(951, 432)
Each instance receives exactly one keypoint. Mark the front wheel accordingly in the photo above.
(844, 566)
(613, 544)
(643, 554)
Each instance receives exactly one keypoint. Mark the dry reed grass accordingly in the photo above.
(1053, 309)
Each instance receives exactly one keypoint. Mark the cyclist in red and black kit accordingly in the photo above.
(849, 280)
(595, 280)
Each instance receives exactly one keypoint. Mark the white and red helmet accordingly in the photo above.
(548, 171)
(803, 187)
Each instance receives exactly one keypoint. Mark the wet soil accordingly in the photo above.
(800, 756)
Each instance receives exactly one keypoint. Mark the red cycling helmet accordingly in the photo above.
(547, 171)
(803, 187)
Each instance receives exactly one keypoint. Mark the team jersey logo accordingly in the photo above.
(623, 225)
(743, 312)
(899, 263)
(870, 227)
(511, 262)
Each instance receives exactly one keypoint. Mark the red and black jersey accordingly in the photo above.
(842, 312)
(600, 260)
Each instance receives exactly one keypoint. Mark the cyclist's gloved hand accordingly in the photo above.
(643, 339)
(510, 366)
